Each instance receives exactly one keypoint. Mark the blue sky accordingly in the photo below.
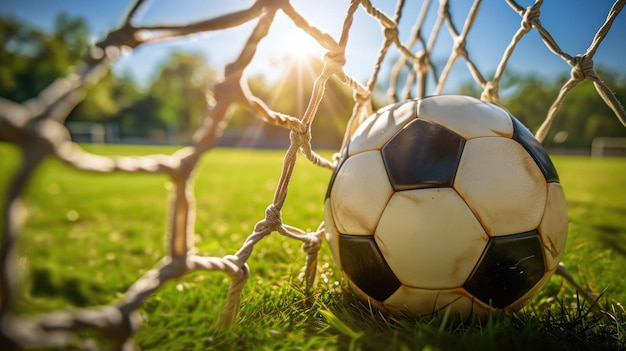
(572, 23)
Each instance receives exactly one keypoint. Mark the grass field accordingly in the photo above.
(88, 237)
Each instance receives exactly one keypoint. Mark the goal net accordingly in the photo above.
(37, 128)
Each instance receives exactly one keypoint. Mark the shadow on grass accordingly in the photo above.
(613, 238)
(71, 289)
(611, 235)
(552, 324)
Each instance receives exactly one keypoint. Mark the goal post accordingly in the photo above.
(37, 128)
(608, 146)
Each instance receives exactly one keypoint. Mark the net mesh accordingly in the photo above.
(37, 128)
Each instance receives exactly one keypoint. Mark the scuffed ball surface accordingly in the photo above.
(445, 202)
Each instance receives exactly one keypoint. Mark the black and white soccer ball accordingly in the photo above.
(445, 202)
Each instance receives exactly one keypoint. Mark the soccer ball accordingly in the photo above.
(445, 202)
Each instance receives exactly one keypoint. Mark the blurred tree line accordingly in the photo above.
(169, 109)
(172, 104)
(582, 117)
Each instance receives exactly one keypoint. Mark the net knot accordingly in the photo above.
(391, 34)
(490, 92)
(460, 46)
(336, 157)
(116, 41)
(273, 217)
(274, 4)
(312, 243)
(422, 62)
(582, 67)
(361, 98)
(531, 16)
(335, 60)
(300, 139)
(235, 266)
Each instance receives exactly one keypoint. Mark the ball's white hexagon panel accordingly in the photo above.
(360, 193)
(467, 116)
(331, 233)
(430, 238)
(502, 185)
(553, 226)
(426, 303)
(376, 130)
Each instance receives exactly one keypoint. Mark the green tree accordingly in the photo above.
(32, 59)
(100, 103)
(529, 99)
(180, 90)
(582, 117)
(117, 101)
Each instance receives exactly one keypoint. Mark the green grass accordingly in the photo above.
(88, 237)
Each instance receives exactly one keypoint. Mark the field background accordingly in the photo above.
(88, 237)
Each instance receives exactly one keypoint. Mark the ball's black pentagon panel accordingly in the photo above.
(365, 266)
(343, 158)
(509, 267)
(522, 135)
(422, 155)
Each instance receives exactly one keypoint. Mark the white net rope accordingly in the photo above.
(37, 128)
